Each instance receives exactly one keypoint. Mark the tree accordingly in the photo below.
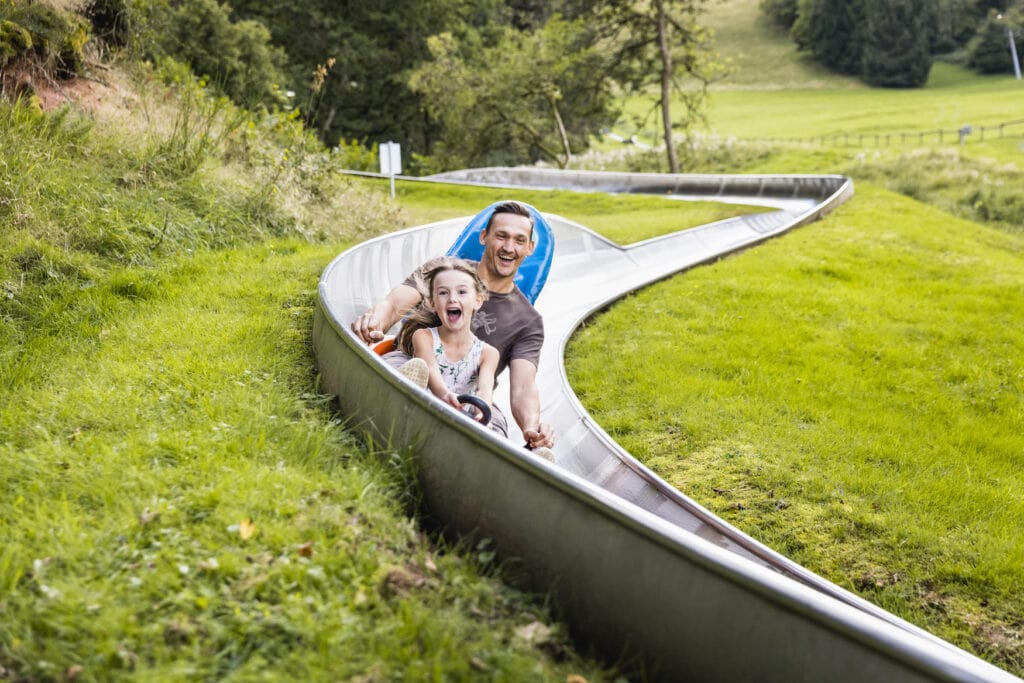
(896, 42)
(366, 96)
(531, 95)
(236, 56)
(831, 31)
(989, 50)
(956, 22)
(661, 41)
(783, 13)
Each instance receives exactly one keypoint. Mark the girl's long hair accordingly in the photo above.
(422, 315)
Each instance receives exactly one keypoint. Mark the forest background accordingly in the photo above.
(468, 83)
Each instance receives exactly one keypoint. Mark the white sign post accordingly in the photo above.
(391, 162)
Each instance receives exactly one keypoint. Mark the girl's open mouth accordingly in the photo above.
(454, 315)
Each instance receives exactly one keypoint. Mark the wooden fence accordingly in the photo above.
(941, 136)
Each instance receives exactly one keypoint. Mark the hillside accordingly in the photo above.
(761, 57)
(178, 500)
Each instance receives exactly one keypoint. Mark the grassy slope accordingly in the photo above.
(759, 56)
(189, 415)
(952, 98)
(851, 393)
(177, 501)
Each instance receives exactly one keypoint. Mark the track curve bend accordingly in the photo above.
(638, 570)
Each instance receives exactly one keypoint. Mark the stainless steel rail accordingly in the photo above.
(635, 567)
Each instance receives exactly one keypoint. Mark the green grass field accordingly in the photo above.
(849, 394)
(953, 98)
(759, 56)
(775, 93)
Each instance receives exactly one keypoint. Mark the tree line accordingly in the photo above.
(893, 43)
(458, 82)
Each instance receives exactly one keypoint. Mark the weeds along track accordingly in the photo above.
(638, 570)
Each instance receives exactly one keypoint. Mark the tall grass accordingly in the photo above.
(178, 502)
(851, 395)
(177, 499)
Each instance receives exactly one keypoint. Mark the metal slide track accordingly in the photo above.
(638, 570)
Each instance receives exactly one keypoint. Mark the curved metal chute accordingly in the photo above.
(637, 569)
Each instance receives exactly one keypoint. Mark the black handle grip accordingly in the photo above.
(479, 404)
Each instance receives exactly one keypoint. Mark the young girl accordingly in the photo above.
(439, 333)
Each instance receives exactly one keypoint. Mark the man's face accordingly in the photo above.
(506, 243)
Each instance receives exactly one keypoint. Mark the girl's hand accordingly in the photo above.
(452, 399)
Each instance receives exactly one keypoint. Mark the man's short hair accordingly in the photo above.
(515, 208)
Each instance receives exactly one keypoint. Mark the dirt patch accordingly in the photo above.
(99, 91)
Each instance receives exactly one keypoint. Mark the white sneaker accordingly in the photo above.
(415, 370)
(545, 453)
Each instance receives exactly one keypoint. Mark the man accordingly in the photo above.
(507, 320)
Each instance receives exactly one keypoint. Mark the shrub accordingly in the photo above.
(112, 21)
(989, 50)
(832, 32)
(235, 57)
(783, 13)
(52, 38)
(14, 40)
(896, 43)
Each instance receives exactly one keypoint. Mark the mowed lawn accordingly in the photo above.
(850, 394)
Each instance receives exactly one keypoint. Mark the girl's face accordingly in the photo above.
(455, 299)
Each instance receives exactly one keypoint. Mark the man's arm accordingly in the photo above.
(525, 400)
(370, 326)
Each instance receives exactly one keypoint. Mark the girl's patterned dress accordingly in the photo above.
(461, 375)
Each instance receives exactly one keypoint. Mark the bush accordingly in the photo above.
(896, 43)
(989, 50)
(111, 21)
(832, 32)
(52, 38)
(236, 57)
(14, 40)
(783, 13)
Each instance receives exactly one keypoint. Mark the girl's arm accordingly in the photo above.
(485, 375)
(423, 347)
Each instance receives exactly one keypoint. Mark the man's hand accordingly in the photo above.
(368, 327)
(542, 436)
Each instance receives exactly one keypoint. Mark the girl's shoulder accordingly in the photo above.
(486, 348)
(424, 334)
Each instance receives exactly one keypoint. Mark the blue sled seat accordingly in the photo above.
(533, 272)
